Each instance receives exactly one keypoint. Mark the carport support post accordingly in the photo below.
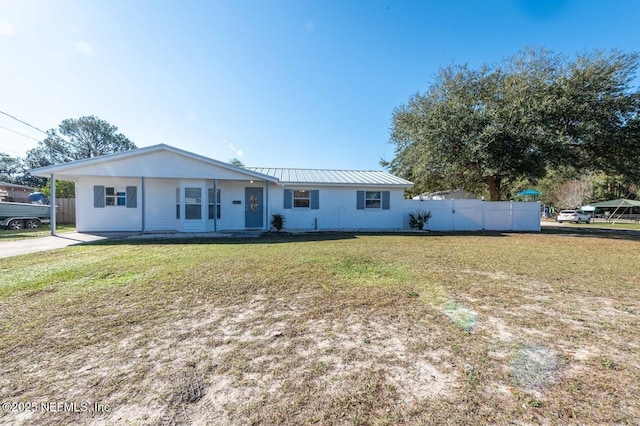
(53, 205)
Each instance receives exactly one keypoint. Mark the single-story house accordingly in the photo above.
(17, 193)
(163, 188)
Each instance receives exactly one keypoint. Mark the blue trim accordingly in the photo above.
(360, 200)
(314, 201)
(288, 199)
(386, 200)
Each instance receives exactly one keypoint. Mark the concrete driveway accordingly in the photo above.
(19, 247)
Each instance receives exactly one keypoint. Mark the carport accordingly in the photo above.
(621, 208)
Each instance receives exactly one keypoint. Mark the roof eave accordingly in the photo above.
(68, 167)
(347, 184)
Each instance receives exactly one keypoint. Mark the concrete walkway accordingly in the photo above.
(19, 247)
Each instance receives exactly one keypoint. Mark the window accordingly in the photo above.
(301, 198)
(116, 196)
(372, 200)
(214, 204)
(113, 196)
(193, 203)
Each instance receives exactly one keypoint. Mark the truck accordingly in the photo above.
(31, 215)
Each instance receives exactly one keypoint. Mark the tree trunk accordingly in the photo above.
(494, 187)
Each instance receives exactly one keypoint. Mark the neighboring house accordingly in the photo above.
(162, 188)
(451, 194)
(16, 193)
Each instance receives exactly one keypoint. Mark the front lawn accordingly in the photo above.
(24, 234)
(325, 329)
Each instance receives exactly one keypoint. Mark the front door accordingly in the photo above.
(253, 213)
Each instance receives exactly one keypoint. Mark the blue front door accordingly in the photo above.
(253, 211)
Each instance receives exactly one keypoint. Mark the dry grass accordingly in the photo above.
(327, 329)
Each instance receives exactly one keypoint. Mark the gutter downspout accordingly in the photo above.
(53, 206)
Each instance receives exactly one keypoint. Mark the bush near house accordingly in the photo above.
(418, 219)
(277, 221)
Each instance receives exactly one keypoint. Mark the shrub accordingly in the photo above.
(277, 221)
(418, 219)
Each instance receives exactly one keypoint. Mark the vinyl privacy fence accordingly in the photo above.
(476, 215)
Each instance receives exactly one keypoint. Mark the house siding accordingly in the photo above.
(232, 215)
(107, 218)
(160, 204)
(338, 209)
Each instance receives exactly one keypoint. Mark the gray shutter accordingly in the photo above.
(315, 199)
(98, 196)
(386, 200)
(288, 199)
(360, 200)
(132, 197)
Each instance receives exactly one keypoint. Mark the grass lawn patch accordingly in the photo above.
(24, 234)
(325, 329)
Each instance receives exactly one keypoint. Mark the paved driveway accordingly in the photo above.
(16, 248)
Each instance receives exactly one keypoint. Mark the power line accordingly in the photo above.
(23, 122)
(18, 133)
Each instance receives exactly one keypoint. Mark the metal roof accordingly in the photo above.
(621, 202)
(332, 177)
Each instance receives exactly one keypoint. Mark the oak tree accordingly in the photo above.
(487, 128)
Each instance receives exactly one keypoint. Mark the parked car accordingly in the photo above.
(575, 216)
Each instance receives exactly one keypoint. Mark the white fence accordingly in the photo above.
(475, 215)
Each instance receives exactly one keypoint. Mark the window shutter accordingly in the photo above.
(288, 199)
(132, 197)
(315, 199)
(360, 200)
(386, 200)
(98, 196)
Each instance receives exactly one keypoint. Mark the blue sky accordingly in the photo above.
(309, 84)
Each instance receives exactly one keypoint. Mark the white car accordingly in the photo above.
(575, 216)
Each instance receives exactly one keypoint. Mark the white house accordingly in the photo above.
(163, 188)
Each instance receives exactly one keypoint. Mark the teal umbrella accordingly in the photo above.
(529, 193)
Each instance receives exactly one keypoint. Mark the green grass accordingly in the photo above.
(328, 329)
(42, 231)
(616, 225)
(600, 225)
